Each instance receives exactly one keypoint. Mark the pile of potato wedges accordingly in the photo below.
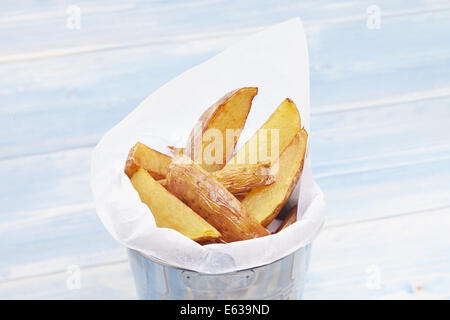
(211, 193)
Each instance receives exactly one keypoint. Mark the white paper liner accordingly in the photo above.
(274, 60)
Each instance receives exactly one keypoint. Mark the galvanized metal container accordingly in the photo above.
(282, 279)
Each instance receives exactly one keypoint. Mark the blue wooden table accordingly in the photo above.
(380, 101)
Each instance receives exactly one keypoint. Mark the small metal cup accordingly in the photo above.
(282, 279)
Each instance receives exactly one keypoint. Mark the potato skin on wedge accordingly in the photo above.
(141, 156)
(265, 203)
(212, 201)
(229, 113)
(169, 211)
(241, 179)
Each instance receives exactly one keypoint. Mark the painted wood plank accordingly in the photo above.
(44, 181)
(386, 192)
(387, 137)
(51, 241)
(61, 179)
(388, 258)
(107, 282)
(46, 241)
(398, 258)
(422, 156)
(131, 23)
(71, 101)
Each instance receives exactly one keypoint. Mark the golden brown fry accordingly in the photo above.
(229, 113)
(169, 211)
(141, 156)
(241, 179)
(285, 121)
(265, 203)
(209, 198)
(238, 179)
(290, 219)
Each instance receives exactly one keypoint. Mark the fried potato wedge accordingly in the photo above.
(224, 120)
(241, 179)
(209, 198)
(141, 156)
(169, 211)
(290, 219)
(264, 203)
(284, 123)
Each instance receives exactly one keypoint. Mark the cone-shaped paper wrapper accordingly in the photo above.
(274, 60)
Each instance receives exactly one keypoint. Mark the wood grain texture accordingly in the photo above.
(356, 261)
(351, 198)
(397, 258)
(365, 65)
(388, 140)
(380, 139)
(95, 283)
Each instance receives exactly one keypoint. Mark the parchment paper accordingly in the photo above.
(274, 60)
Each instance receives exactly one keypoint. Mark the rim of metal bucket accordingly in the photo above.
(154, 259)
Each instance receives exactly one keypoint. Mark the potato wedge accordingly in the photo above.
(264, 203)
(224, 120)
(290, 219)
(237, 179)
(209, 198)
(169, 212)
(141, 156)
(241, 179)
(285, 120)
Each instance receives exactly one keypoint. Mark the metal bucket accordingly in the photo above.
(282, 279)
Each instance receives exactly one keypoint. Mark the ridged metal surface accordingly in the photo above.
(282, 279)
